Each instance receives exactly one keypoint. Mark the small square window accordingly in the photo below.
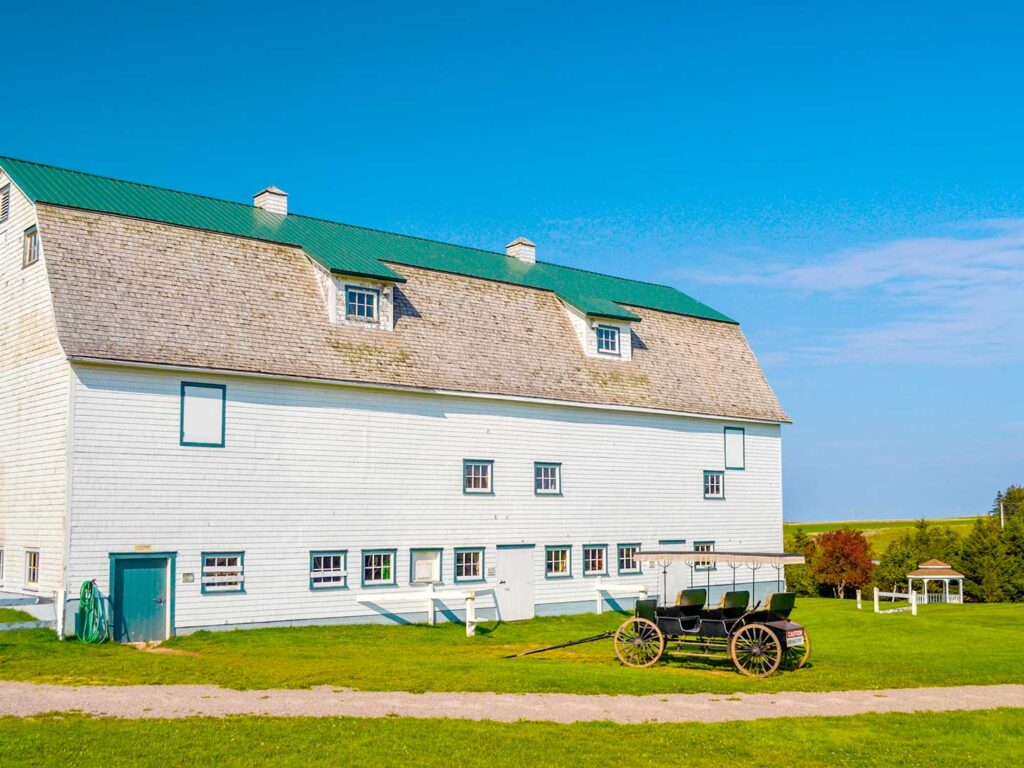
(469, 564)
(223, 572)
(547, 479)
(703, 546)
(557, 563)
(714, 484)
(31, 253)
(328, 570)
(608, 339)
(595, 560)
(5, 203)
(379, 568)
(477, 476)
(32, 567)
(361, 304)
(425, 566)
(628, 562)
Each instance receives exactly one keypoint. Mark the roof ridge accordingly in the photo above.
(126, 181)
(330, 221)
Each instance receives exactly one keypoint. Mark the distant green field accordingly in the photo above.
(881, 533)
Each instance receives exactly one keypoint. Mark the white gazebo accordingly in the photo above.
(936, 570)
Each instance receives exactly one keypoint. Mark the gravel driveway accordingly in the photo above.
(169, 701)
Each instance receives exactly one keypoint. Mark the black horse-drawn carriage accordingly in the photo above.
(759, 640)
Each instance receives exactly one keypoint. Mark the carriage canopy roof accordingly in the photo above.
(728, 558)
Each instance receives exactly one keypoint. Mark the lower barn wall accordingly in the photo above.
(317, 467)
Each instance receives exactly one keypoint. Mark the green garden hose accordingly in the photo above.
(92, 618)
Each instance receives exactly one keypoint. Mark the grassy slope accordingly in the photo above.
(933, 739)
(944, 645)
(881, 533)
(12, 615)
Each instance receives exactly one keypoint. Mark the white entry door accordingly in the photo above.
(515, 583)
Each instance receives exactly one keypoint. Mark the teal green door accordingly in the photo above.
(140, 599)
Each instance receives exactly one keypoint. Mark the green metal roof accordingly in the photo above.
(343, 248)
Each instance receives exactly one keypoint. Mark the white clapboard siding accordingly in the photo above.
(319, 467)
(34, 376)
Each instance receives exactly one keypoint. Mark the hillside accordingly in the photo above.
(880, 533)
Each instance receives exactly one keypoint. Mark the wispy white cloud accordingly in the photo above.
(957, 299)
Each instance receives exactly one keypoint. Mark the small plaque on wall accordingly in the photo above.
(188, 578)
(492, 571)
(143, 547)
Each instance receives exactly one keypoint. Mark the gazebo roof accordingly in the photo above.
(934, 569)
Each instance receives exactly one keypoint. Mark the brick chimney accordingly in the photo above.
(273, 200)
(522, 249)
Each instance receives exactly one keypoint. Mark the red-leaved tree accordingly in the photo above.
(842, 559)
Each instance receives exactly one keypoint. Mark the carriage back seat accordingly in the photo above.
(733, 604)
(645, 609)
(691, 601)
(780, 603)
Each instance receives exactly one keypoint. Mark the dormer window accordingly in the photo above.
(361, 304)
(607, 339)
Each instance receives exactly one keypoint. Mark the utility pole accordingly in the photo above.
(1002, 517)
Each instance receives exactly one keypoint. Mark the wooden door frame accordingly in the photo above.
(170, 557)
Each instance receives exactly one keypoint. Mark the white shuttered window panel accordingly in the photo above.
(735, 448)
(202, 414)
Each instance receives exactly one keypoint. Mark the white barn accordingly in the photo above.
(229, 415)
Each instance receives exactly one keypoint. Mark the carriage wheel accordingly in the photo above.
(755, 650)
(797, 656)
(639, 642)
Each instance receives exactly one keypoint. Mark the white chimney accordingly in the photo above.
(522, 249)
(273, 200)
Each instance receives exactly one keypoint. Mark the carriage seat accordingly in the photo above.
(731, 606)
(780, 604)
(690, 602)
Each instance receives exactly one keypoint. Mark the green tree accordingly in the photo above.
(925, 542)
(1012, 500)
(986, 563)
(798, 577)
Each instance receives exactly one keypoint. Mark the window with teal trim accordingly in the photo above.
(328, 570)
(425, 566)
(203, 414)
(477, 476)
(223, 572)
(703, 546)
(714, 484)
(557, 562)
(608, 339)
(547, 478)
(469, 564)
(628, 561)
(595, 560)
(378, 568)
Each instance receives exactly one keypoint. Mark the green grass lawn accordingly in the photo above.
(943, 645)
(990, 738)
(12, 615)
(881, 533)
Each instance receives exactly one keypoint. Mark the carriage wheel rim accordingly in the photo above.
(639, 643)
(756, 650)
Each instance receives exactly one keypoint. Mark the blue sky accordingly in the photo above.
(845, 179)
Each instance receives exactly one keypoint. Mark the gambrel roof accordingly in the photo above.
(142, 275)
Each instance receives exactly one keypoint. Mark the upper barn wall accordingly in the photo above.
(34, 376)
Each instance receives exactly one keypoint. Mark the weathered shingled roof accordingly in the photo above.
(345, 249)
(128, 289)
